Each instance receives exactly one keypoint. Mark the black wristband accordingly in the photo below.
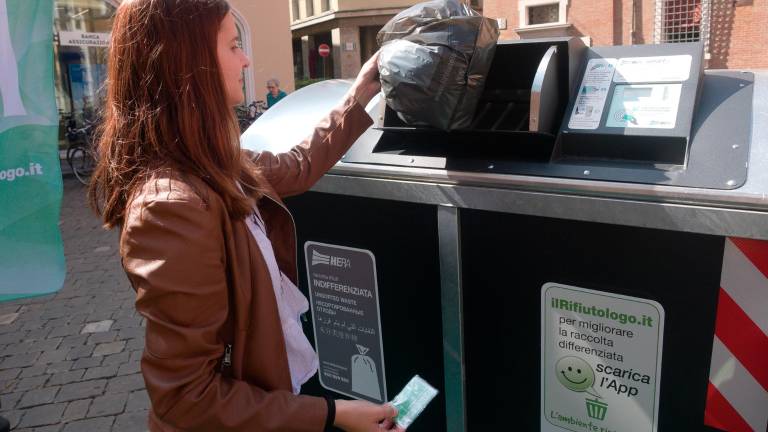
(331, 419)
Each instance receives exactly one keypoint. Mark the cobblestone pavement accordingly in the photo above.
(70, 361)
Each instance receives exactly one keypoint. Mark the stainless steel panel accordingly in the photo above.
(453, 321)
(544, 97)
(618, 211)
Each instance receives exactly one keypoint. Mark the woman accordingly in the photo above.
(205, 239)
(274, 94)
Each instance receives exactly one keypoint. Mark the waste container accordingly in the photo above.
(591, 255)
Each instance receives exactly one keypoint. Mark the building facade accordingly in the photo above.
(81, 39)
(347, 27)
(731, 30)
(267, 44)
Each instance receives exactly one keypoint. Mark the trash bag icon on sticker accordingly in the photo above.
(365, 377)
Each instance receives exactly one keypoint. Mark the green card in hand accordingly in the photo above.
(412, 400)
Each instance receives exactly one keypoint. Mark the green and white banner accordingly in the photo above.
(31, 251)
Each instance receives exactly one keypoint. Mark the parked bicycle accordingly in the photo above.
(246, 115)
(80, 151)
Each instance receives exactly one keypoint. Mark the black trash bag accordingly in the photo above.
(434, 60)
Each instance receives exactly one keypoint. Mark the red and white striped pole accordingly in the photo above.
(737, 396)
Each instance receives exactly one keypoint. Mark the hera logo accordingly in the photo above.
(318, 258)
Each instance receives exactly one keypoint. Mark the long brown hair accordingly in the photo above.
(166, 106)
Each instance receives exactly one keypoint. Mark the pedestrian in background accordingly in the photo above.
(274, 94)
(205, 239)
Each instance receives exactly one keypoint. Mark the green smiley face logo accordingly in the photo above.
(575, 374)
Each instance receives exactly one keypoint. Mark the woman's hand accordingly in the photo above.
(367, 84)
(361, 416)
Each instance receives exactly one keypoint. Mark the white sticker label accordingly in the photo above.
(590, 103)
(344, 298)
(653, 69)
(601, 361)
(651, 106)
(68, 38)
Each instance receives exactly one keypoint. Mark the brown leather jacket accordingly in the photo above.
(202, 284)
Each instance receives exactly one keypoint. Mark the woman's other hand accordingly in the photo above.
(361, 416)
(367, 84)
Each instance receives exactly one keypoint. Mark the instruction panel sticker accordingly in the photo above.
(601, 361)
(648, 106)
(344, 300)
(590, 103)
(675, 68)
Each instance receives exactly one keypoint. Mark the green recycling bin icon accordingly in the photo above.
(596, 409)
